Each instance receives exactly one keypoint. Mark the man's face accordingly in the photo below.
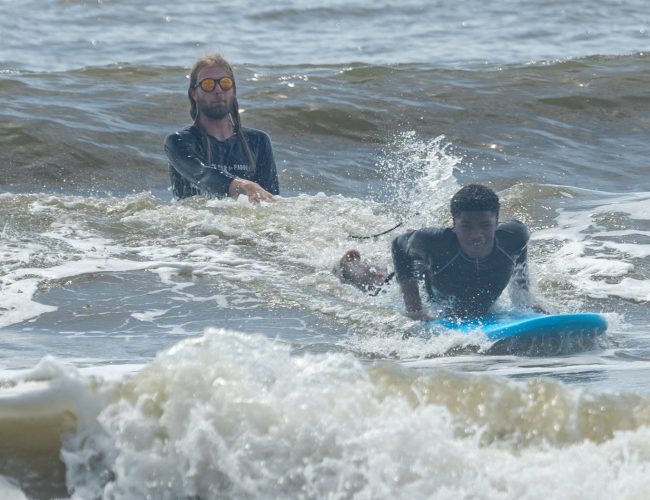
(217, 103)
(475, 232)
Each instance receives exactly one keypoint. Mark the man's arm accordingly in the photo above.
(410, 289)
(404, 272)
(183, 153)
(267, 171)
(520, 293)
(515, 236)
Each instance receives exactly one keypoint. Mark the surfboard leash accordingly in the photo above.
(377, 235)
(387, 280)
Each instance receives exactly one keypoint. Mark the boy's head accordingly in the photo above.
(474, 198)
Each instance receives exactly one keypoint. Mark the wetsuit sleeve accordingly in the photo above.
(184, 154)
(401, 260)
(267, 171)
(408, 250)
(516, 238)
(520, 274)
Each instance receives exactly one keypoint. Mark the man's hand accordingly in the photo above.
(411, 294)
(419, 315)
(253, 190)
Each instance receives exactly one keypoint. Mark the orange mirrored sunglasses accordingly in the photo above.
(209, 84)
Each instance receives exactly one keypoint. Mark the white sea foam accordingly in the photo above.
(9, 491)
(596, 256)
(235, 416)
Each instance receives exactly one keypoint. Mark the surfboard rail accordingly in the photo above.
(528, 333)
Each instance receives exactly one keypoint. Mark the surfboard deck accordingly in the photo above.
(528, 333)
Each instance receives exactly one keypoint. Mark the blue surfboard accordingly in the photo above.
(529, 333)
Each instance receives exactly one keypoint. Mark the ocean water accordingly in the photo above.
(204, 349)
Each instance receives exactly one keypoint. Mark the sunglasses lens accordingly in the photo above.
(225, 83)
(208, 85)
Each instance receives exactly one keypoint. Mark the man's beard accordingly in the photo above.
(215, 111)
(218, 113)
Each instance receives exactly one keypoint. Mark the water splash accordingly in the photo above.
(419, 176)
(236, 416)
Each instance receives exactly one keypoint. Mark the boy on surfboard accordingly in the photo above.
(466, 266)
(216, 156)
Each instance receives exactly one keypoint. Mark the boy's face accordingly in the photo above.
(475, 232)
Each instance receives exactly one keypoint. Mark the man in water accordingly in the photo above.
(216, 156)
(467, 266)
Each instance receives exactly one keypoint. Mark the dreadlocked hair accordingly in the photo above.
(235, 118)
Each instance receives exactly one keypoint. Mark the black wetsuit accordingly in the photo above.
(190, 175)
(471, 285)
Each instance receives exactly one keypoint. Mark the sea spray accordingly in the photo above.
(237, 416)
(419, 176)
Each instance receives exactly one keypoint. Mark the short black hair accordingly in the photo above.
(474, 198)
